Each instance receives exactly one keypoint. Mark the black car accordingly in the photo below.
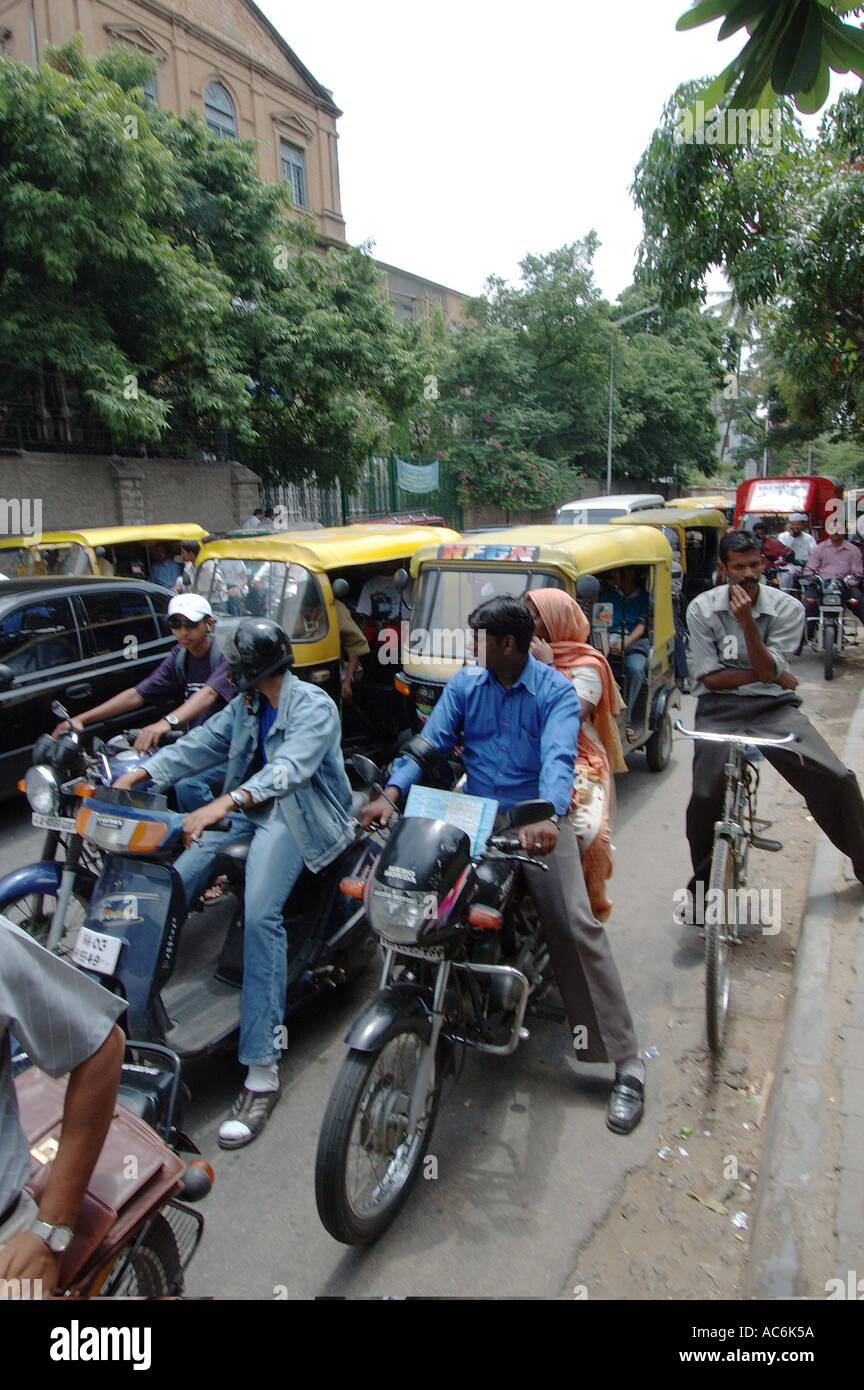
(79, 641)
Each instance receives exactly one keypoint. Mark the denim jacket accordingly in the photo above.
(304, 771)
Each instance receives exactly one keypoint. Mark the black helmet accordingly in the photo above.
(254, 649)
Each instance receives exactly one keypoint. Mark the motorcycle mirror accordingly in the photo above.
(365, 769)
(341, 588)
(7, 676)
(587, 588)
(58, 710)
(401, 579)
(529, 813)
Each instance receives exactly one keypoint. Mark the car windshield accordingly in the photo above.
(59, 559)
(287, 593)
(445, 597)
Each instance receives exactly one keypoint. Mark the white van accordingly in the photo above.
(587, 510)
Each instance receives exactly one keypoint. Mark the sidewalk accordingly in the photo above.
(809, 1217)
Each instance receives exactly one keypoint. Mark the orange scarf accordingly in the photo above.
(568, 631)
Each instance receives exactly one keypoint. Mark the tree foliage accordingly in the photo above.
(148, 261)
(524, 388)
(792, 48)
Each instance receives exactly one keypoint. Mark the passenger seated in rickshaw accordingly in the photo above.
(629, 641)
(311, 625)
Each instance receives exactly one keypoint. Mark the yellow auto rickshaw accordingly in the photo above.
(124, 551)
(453, 578)
(694, 535)
(305, 581)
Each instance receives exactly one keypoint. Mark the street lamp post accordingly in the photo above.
(616, 323)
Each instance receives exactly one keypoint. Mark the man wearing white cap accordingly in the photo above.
(190, 684)
(800, 542)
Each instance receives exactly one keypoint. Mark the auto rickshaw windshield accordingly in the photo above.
(446, 596)
(286, 592)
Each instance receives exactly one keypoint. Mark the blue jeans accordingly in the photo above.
(198, 790)
(272, 868)
(635, 667)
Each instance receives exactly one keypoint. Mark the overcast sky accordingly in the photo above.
(474, 132)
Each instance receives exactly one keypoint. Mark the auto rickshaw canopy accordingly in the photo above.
(81, 545)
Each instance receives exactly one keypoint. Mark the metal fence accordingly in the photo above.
(378, 495)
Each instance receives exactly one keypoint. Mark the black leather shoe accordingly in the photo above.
(626, 1104)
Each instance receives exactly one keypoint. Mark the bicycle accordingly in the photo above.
(733, 836)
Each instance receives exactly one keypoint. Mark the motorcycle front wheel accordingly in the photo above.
(829, 651)
(34, 912)
(369, 1155)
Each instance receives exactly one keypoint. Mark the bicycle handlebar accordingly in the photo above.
(740, 740)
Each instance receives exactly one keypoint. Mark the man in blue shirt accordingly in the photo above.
(518, 722)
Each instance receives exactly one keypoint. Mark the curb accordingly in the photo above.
(787, 1221)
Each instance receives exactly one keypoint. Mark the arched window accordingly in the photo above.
(219, 111)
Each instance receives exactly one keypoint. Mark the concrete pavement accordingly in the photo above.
(808, 1233)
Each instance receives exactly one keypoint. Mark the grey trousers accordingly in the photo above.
(831, 790)
(600, 1021)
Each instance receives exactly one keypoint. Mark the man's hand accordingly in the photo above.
(130, 779)
(379, 810)
(66, 724)
(205, 817)
(787, 681)
(26, 1256)
(615, 648)
(540, 838)
(347, 689)
(741, 604)
(149, 737)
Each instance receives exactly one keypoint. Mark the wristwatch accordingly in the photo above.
(239, 799)
(172, 720)
(555, 818)
(57, 1238)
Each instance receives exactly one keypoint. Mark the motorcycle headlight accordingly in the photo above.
(42, 789)
(398, 913)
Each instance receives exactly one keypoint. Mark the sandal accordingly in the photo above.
(626, 1104)
(252, 1110)
(631, 734)
(218, 888)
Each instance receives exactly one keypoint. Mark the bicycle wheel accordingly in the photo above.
(722, 904)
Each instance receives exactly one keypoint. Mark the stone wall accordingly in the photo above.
(78, 491)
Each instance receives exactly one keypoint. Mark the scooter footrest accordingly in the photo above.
(759, 843)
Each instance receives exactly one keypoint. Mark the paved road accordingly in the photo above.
(525, 1165)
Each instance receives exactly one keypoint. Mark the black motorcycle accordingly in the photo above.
(463, 958)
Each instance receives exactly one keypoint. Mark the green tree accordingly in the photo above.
(149, 262)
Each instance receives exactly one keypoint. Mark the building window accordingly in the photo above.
(219, 112)
(293, 172)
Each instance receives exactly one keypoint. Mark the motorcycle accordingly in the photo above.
(180, 977)
(48, 899)
(464, 958)
(830, 633)
(136, 1233)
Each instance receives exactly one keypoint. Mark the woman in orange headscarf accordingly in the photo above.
(561, 639)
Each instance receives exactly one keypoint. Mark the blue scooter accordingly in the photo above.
(180, 972)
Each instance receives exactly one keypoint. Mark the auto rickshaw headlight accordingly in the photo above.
(42, 789)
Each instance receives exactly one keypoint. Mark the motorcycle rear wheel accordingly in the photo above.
(33, 912)
(368, 1158)
(154, 1269)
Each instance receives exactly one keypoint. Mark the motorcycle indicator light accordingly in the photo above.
(486, 917)
(81, 820)
(146, 836)
(84, 789)
(401, 685)
(352, 887)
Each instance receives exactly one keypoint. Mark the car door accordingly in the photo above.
(124, 638)
(40, 644)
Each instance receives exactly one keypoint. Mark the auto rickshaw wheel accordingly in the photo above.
(658, 749)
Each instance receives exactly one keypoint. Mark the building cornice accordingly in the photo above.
(318, 97)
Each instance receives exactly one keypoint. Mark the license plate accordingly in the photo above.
(95, 951)
(53, 822)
